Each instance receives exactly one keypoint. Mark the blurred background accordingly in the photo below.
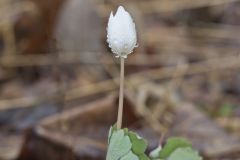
(59, 80)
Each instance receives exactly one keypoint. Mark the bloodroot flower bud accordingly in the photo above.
(121, 33)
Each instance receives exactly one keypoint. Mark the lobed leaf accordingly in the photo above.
(124, 144)
(138, 144)
(130, 156)
(119, 145)
(184, 154)
(173, 144)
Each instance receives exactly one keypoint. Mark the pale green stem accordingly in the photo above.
(120, 104)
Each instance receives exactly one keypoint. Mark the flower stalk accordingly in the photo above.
(121, 95)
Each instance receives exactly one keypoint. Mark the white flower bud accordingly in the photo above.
(155, 153)
(121, 33)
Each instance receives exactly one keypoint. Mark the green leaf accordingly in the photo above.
(138, 144)
(124, 144)
(119, 145)
(130, 156)
(173, 144)
(143, 157)
(184, 154)
(112, 129)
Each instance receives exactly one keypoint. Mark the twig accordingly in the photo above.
(156, 6)
(209, 66)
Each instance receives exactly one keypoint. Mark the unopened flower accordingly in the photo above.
(121, 33)
(155, 153)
